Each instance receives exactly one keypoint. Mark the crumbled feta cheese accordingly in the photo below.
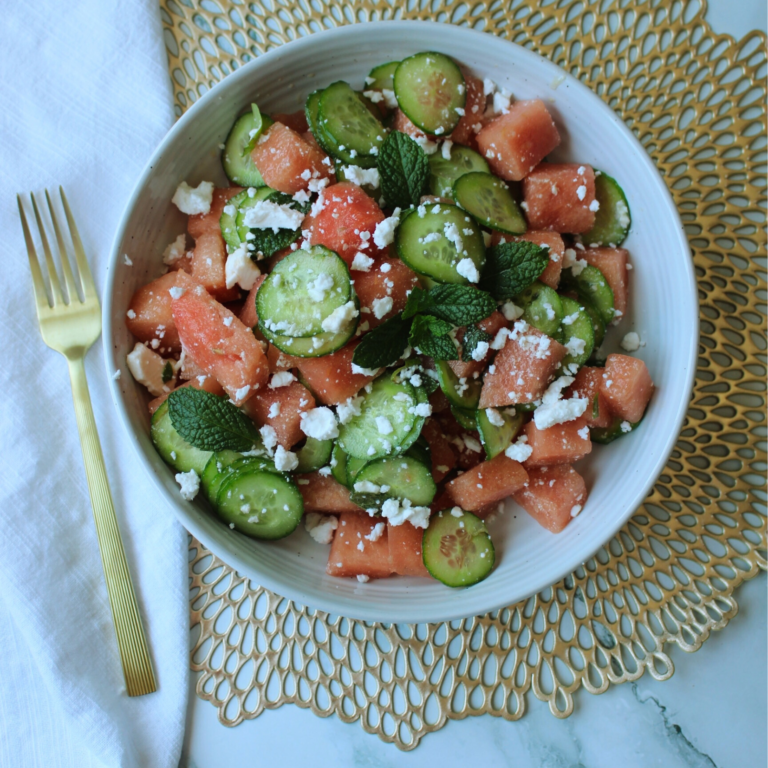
(281, 379)
(358, 369)
(480, 351)
(494, 417)
(575, 346)
(116, 375)
(240, 269)
(594, 206)
(501, 102)
(576, 265)
(320, 423)
(340, 317)
(176, 293)
(583, 433)
(193, 201)
(361, 262)
(466, 268)
(631, 342)
(519, 450)
(321, 527)
(382, 306)
(131, 315)
(451, 232)
(457, 512)
(575, 510)
(570, 319)
(399, 511)
(366, 486)
(189, 484)
(553, 410)
(423, 410)
(242, 393)
(626, 426)
(430, 147)
(350, 408)
(320, 286)
(268, 437)
(268, 215)
(285, 461)
(511, 311)
(376, 532)
(446, 149)
(471, 444)
(274, 411)
(147, 367)
(384, 234)
(362, 176)
(581, 192)
(384, 425)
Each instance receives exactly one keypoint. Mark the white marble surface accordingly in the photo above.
(711, 713)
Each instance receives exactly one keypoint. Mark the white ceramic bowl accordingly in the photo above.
(663, 309)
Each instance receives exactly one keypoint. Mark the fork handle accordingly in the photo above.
(134, 653)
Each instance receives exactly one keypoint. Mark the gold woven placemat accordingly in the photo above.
(696, 100)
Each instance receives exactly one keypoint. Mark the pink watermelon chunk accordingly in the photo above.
(287, 161)
(587, 385)
(612, 262)
(401, 123)
(228, 351)
(386, 279)
(515, 143)
(522, 369)
(560, 197)
(330, 377)
(248, 314)
(405, 556)
(627, 386)
(354, 555)
(474, 107)
(553, 496)
(464, 369)
(207, 266)
(442, 455)
(487, 483)
(324, 494)
(203, 223)
(560, 444)
(281, 409)
(279, 361)
(150, 315)
(209, 384)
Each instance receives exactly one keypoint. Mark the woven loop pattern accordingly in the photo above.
(696, 101)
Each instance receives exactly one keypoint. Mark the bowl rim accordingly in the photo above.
(330, 603)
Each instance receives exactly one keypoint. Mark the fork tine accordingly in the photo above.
(66, 266)
(38, 281)
(86, 278)
(53, 275)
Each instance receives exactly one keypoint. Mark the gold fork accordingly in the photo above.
(70, 322)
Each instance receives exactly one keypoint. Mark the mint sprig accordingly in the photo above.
(430, 336)
(511, 267)
(473, 335)
(456, 304)
(209, 422)
(403, 170)
(383, 345)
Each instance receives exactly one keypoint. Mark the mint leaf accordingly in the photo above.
(473, 335)
(429, 335)
(384, 345)
(265, 242)
(511, 267)
(403, 170)
(456, 304)
(209, 422)
(167, 373)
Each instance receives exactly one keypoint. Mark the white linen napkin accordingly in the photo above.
(86, 98)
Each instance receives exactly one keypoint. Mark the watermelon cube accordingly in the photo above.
(149, 313)
(208, 383)
(405, 556)
(279, 361)
(612, 262)
(560, 197)
(474, 107)
(515, 143)
(324, 494)
(207, 266)
(555, 247)
(401, 123)
(383, 290)
(553, 496)
(487, 483)
(287, 161)
(346, 222)
(330, 377)
(220, 344)
(559, 444)
(465, 369)
(442, 455)
(248, 315)
(522, 368)
(627, 386)
(352, 554)
(281, 408)
(587, 385)
(203, 223)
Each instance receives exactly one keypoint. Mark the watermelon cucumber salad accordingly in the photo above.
(390, 323)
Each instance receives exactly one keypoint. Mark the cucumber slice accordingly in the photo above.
(598, 326)
(579, 327)
(382, 77)
(302, 291)
(314, 346)
(496, 439)
(464, 417)
(236, 155)
(420, 451)
(172, 447)
(260, 504)
(422, 243)
(617, 428)
(590, 284)
(339, 464)
(353, 134)
(542, 308)
(232, 224)
(362, 437)
(489, 200)
(613, 219)
(313, 455)
(429, 88)
(443, 173)
(223, 463)
(457, 550)
(404, 478)
(311, 108)
(462, 394)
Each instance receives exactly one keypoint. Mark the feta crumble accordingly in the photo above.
(319, 287)
(519, 450)
(147, 367)
(285, 461)
(281, 379)
(176, 292)
(480, 351)
(189, 484)
(376, 532)
(361, 262)
(340, 317)
(384, 234)
(511, 311)
(399, 511)
(321, 527)
(384, 425)
(319, 423)
(240, 269)
(553, 410)
(268, 215)
(494, 417)
(193, 200)
(466, 268)
(631, 342)
(362, 176)
(350, 408)
(382, 306)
